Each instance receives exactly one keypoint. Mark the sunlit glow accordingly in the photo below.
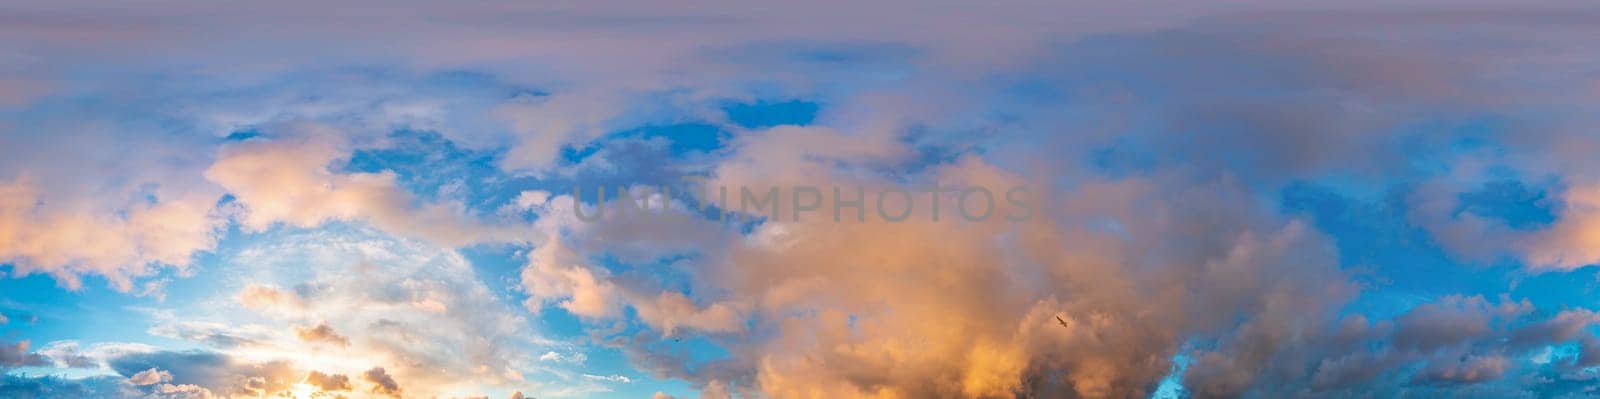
(303, 391)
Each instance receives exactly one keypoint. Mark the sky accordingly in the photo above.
(1178, 199)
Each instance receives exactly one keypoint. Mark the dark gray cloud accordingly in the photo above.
(14, 355)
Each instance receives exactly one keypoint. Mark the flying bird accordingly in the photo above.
(1063, 322)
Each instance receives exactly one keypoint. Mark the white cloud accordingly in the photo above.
(150, 377)
(362, 299)
(66, 240)
(552, 356)
(288, 182)
(612, 378)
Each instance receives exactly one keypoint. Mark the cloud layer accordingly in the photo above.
(1234, 199)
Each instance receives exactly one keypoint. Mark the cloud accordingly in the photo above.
(670, 310)
(67, 354)
(1450, 321)
(715, 390)
(689, 54)
(328, 382)
(382, 382)
(129, 215)
(182, 391)
(1571, 241)
(265, 298)
(417, 310)
(544, 125)
(288, 181)
(321, 333)
(1164, 137)
(557, 357)
(215, 334)
(202, 373)
(553, 272)
(40, 236)
(17, 355)
(611, 378)
(530, 199)
(1472, 370)
(1565, 326)
(150, 377)
(16, 386)
(840, 303)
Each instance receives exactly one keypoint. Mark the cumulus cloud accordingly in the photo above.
(382, 382)
(181, 391)
(840, 303)
(38, 236)
(1571, 241)
(18, 355)
(288, 181)
(554, 272)
(328, 382)
(321, 333)
(1164, 137)
(150, 377)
